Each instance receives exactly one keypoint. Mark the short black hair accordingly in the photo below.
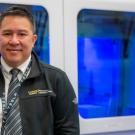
(18, 11)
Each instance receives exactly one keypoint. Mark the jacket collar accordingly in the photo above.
(35, 68)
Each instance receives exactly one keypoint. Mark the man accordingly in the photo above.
(43, 99)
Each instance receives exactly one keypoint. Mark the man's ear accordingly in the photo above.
(34, 39)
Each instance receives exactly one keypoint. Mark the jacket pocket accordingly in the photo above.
(37, 112)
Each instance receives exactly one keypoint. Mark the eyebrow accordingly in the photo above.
(9, 30)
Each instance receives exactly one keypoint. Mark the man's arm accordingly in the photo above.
(66, 120)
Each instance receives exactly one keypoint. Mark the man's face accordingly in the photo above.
(16, 40)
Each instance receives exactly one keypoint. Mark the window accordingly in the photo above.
(106, 52)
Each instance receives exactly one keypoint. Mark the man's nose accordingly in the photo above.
(14, 39)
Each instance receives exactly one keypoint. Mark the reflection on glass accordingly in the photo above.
(106, 52)
(42, 28)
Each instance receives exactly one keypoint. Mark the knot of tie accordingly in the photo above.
(14, 72)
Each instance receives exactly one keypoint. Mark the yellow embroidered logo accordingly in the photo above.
(37, 91)
(33, 92)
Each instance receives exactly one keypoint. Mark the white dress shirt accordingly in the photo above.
(7, 76)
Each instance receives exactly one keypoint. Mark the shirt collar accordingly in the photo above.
(6, 68)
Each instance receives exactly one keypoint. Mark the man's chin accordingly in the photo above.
(13, 63)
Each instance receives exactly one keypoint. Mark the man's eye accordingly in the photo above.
(22, 34)
(6, 34)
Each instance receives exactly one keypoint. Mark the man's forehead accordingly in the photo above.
(14, 21)
(16, 26)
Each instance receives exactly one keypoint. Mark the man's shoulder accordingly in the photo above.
(51, 69)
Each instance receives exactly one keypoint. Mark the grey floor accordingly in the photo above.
(117, 133)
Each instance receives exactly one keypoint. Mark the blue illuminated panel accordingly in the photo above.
(106, 52)
(40, 15)
(42, 30)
